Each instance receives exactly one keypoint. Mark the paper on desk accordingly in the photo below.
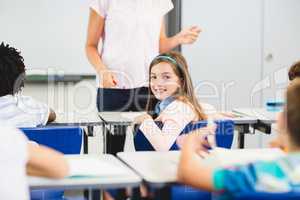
(131, 115)
(256, 112)
(91, 166)
(220, 157)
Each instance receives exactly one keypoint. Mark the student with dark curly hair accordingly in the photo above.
(294, 71)
(16, 109)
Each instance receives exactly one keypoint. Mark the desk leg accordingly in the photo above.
(96, 194)
(112, 129)
(154, 194)
(92, 194)
(241, 140)
(86, 193)
(162, 194)
(85, 143)
(90, 133)
(104, 138)
(242, 130)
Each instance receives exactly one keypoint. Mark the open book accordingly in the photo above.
(220, 157)
(93, 166)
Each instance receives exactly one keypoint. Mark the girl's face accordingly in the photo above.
(163, 81)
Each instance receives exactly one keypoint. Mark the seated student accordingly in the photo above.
(281, 175)
(19, 156)
(294, 71)
(16, 109)
(171, 101)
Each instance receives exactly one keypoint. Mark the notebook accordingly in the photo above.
(131, 115)
(221, 157)
(93, 166)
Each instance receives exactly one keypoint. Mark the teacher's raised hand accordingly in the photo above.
(188, 35)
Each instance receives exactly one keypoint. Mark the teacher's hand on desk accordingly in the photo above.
(108, 79)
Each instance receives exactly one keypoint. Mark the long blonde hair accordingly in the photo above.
(185, 93)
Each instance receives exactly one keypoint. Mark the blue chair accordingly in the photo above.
(269, 196)
(67, 140)
(224, 138)
(224, 135)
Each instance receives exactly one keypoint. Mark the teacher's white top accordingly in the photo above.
(131, 37)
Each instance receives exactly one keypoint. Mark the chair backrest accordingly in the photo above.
(224, 135)
(269, 196)
(67, 140)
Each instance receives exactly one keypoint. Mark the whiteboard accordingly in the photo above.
(50, 34)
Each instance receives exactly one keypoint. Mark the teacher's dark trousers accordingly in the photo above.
(120, 100)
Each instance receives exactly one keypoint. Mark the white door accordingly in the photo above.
(281, 48)
(281, 44)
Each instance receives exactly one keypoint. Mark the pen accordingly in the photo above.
(211, 137)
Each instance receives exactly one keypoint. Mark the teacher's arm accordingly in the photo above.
(185, 36)
(94, 34)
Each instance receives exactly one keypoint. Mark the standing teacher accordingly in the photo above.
(123, 37)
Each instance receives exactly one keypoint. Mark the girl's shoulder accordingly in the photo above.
(184, 101)
(179, 109)
(180, 104)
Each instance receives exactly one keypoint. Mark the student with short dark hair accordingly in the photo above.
(281, 175)
(294, 71)
(16, 109)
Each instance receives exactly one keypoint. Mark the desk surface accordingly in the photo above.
(78, 119)
(244, 120)
(261, 114)
(130, 179)
(156, 168)
(125, 118)
(128, 117)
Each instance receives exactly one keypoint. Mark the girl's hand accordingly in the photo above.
(281, 128)
(189, 35)
(196, 140)
(162, 118)
(277, 143)
(140, 119)
(107, 79)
